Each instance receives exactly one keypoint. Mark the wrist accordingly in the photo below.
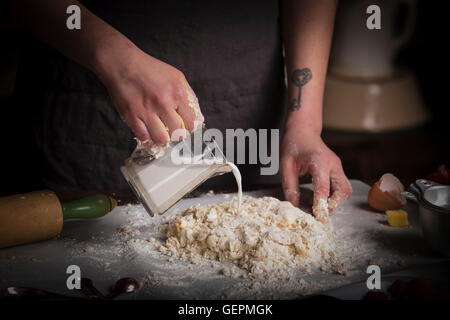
(303, 123)
(307, 117)
(113, 57)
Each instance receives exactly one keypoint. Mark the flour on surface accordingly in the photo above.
(125, 244)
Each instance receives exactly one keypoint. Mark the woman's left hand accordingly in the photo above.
(304, 152)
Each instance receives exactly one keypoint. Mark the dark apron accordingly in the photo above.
(230, 52)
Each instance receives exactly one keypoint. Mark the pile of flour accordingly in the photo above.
(267, 237)
(129, 243)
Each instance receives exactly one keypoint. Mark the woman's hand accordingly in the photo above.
(304, 152)
(151, 96)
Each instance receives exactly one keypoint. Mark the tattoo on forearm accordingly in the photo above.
(299, 77)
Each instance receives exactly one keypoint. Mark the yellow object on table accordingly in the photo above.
(397, 218)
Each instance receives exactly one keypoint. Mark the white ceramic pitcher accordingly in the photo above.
(360, 52)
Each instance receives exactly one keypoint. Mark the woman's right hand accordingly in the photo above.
(150, 95)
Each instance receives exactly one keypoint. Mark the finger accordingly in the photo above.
(187, 114)
(289, 180)
(185, 108)
(193, 104)
(140, 131)
(174, 123)
(341, 190)
(157, 129)
(179, 133)
(321, 187)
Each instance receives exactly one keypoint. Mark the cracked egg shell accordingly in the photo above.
(385, 194)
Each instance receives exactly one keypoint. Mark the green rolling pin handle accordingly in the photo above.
(88, 207)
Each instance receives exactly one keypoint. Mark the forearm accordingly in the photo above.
(307, 32)
(91, 46)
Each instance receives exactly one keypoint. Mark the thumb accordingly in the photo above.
(289, 181)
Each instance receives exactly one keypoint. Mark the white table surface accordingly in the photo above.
(400, 252)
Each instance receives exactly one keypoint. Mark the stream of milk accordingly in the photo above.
(238, 177)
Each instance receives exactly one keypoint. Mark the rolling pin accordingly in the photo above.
(39, 215)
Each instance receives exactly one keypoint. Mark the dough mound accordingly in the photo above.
(268, 238)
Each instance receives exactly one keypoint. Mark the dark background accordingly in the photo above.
(409, 154)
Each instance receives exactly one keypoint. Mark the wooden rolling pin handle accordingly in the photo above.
(29, 217)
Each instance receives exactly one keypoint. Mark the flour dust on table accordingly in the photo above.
(269, 249)
(271, 255)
